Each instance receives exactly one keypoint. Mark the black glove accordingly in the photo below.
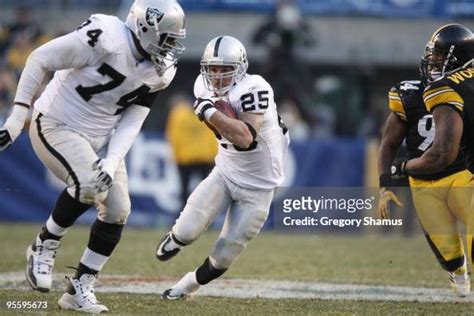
(102, 180)
(5, 139)
(398, 168)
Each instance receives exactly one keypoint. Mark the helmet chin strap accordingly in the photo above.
(468, 63)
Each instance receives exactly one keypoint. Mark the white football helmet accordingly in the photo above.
(223, 51)
(158, 25)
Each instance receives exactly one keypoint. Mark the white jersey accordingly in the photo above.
(91, 98)
(262, 166)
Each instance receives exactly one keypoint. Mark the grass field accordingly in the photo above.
(369, 260)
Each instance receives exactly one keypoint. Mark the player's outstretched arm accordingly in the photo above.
(61, 53)
(13, 125)
(445, 148)
(394, 132)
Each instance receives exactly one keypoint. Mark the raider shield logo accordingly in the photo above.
(152, 15)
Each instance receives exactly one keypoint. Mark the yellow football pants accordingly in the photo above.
(470, 230)
(440, 204)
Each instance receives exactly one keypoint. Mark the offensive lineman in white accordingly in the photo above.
(249, 165)
(107, 74)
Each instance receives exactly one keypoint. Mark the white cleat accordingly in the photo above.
(40, 262)
(83, 300)
(460, 282)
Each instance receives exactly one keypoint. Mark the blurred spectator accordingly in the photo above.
(194, 145)
(291, 116)
(341, 98)
(372, 124)
(7, 91)
(23, 23)
(283, 34)
(324, 125)
(18, 52)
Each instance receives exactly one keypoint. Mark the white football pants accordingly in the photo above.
(247, 210)
(69, 155)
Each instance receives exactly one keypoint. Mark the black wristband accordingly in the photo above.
(22, 104)
(252, 130)
(253, 144)
(403, 166)
(399, 168)
(204, 109)
(200, 100)
(385, 180)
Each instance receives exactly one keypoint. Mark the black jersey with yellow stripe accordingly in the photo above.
(406, 101)
(457, 91)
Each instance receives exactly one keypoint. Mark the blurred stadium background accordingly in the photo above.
(330, 62)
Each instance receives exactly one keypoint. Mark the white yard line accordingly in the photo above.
(271, 289)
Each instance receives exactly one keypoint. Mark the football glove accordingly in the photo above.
(103, 180)
(13, 126)
(385, 198)
(398, 168)
(5, 139)
(204, 108)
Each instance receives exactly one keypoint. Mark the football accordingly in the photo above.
(225, 108)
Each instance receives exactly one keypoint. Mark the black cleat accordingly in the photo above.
(162, 254)
(168, 295)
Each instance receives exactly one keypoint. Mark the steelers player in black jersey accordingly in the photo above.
(409, 120)
(447, 67)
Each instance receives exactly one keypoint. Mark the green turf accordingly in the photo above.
(371, 259)
(151, 304)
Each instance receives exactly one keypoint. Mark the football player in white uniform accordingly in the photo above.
(107, 74)
(249, 164)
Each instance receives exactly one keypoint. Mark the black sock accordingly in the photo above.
(65, 213)
(206, 272)
(67, 210)
(81, 269)
(45, 234)
(104, 237)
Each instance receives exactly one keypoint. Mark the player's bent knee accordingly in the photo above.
(122, 218)
(88, 194)
(190, 224)
(255, 227)
(118, 216)
(186, 236)
(226, 251)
